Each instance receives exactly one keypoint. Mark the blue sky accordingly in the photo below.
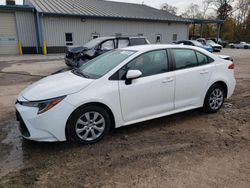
(180, 4)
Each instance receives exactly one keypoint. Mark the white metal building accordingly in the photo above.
(58, 23)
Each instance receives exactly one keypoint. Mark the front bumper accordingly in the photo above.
(46, 127)
(70, 62)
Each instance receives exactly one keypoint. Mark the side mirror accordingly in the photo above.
(132, 75)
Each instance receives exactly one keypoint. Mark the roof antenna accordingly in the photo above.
(142, 2)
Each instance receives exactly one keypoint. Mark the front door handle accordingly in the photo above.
(167, 80)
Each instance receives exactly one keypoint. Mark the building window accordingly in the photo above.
(69, 39)
(95, 35)
(174, 37)
(158, 39)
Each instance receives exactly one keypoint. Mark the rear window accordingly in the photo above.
(137, 41)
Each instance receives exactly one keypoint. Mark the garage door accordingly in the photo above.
(8, 34)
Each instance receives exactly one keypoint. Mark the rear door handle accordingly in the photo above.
(167, 80)
(204, 72)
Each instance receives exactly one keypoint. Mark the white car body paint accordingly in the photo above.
(146, 98)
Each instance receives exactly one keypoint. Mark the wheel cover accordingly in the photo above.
(216, 99)
(90, 126)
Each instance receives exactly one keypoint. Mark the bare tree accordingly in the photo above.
(169, 8)
(206, 5)
(224, 8)
(242, 8)
(193, 11)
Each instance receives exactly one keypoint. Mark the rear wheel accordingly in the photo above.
(214, 99)
(88, 125)
(245, 47)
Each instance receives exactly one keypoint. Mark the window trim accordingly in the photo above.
(115, 76)
(96, 35)
(158, 35)
(175, 34)
(174, 64)
(66, 42)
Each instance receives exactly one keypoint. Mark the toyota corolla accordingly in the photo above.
(123, 87)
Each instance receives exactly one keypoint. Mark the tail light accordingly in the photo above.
(231, 66)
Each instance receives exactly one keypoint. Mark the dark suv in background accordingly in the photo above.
(78, 55)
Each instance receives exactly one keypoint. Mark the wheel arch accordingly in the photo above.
(223, 84)
(98, 104)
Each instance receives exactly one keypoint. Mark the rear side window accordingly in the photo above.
(123, 43)
(202, 59)
(137, 41)
(184, 58)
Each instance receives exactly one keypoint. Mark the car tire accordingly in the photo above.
(214, 99)
(88, 125)
(232, 46)
(245, 47)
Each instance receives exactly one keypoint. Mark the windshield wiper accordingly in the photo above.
(78, 72)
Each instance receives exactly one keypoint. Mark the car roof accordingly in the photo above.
(150, 47)
(117, 37)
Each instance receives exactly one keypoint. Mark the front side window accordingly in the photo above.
(151, 63)
(108, 45)
(184, 58)
(101, 65)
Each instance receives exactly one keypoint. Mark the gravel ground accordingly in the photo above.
(190, 149)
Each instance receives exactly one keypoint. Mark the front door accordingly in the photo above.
(151, 94)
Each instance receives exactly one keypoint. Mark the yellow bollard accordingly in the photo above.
(20, 47)
(44, 47)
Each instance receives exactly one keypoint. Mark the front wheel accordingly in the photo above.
(88, 125)
(214, 99)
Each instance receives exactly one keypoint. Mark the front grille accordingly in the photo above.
(23, 129)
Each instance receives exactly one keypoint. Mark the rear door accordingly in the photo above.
(192, 72)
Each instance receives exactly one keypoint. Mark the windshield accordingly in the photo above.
(101, 65)
(93, 43)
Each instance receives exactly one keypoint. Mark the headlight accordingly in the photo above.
(44, 105)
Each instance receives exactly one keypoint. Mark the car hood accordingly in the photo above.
(206, 46)
(54, 86)
(76, 49)
(214, 45)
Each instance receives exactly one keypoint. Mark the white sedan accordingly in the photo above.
(123, 87)
(243, 45)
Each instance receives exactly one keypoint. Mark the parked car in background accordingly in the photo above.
(216, 47)
(243, 45)
(219, 41)
(195, 43)
(123, 87)
(78, 55)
